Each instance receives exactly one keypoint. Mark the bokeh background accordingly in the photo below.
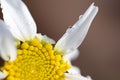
(100, 52)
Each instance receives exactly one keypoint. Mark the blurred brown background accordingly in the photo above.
(100, 51)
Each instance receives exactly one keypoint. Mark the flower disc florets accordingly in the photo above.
(36, 60)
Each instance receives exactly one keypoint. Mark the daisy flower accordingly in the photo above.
(28, 55)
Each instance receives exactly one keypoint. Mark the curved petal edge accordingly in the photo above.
(7, 45)
(18, 18)
(74, 36)
(2, 75)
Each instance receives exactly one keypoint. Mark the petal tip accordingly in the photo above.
(74, 36)
(2, 74)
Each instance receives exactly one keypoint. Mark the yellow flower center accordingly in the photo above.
(36, 60)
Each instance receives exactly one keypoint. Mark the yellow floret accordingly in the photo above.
(36, 61)
(35, 42)
(24, 45)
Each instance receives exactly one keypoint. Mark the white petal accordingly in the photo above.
(76, 77)
(74, 36)
(18, 18)
(74, 70)
(2, 75)
(46, 38)
(71, 55)
(75, 74)
(7, 46)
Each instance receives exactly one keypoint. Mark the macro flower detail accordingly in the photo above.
(31, 56)
(36, 60)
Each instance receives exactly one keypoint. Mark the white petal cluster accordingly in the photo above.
(18, 24)
(18, 18)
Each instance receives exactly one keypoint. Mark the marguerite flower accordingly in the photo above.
(31, 56)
